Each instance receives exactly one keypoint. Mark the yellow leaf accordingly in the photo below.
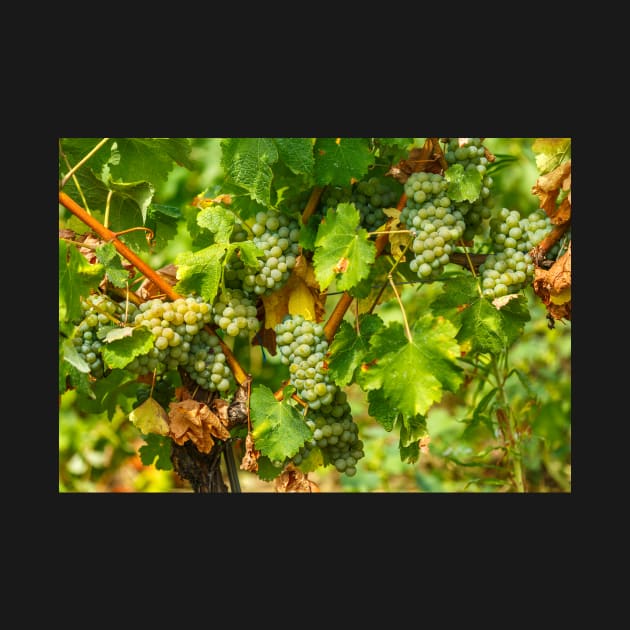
(150, 417)
(302, 302)
(562, 297)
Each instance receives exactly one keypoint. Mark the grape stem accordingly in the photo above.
(106, 234)
(311, 205)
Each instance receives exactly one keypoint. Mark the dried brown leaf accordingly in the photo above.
(293, 480)
(547, 188)
(193, 420)
(250, 458)
(148, 290)
(553, 286)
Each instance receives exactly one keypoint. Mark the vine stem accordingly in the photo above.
(112, 237)
(402, 308)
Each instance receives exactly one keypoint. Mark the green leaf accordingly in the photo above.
(413, 374)
(550, 152)
(464, 185)
(138, 195)
(297, 154)
(148, 159)
(249, 253)
(200, 272)
(77, 277)
(279, 430)
(109, 258)
(343, 250)
(349, 348)
(219, 221)
(156, 451)
(381, 409)
(121, 352)
(340, 160)
(489, 329)
(395, 142)
(71, 355)
(113, 392)
(412, 430)
(248, 162)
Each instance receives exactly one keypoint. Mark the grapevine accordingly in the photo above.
(307, 222)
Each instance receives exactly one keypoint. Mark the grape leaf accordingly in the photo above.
(489, 329)
(396, 142)
(121, 352)
(349, 348)
(200, 272)
(464, 185)
(248, 253)
(247, 161)
(219, 221)
(297, 154)
(156, 451)
(77, 277)
(279, 429)
(413, 374)
(549, 152)
(150, 417)
(109, 258)
(339, 161)
(75, 149)
(343, 250)
(113, 393)
(381, 409)
(412, 430)
(137, 195)
(148, 159)
(71, 355)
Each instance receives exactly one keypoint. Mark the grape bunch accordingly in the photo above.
(277, 236)
(472, 156)
(369, 197)
(207, 364)
(174, 325)
(235, 312)
(98, 311)
(336, 435)
(434, 223)
(510, 267)
(303, 346)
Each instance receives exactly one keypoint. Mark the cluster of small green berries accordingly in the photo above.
(302, 346)
(435, 225)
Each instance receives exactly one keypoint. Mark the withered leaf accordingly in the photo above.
(148, 290)
(547, 187)
(293, 480)
(192, 420)
(250, 458)
(553, 286)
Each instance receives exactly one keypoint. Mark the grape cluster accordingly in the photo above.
(207, 363)
(510, 267)
(369, 197)
(303, 346)
(235, 312)
(434, 223)
(277, 236)
(336, 435)
(472, 156)
(98, 311)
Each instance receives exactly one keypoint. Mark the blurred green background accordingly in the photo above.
(99, 455)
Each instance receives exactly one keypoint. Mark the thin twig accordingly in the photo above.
(81, 162)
